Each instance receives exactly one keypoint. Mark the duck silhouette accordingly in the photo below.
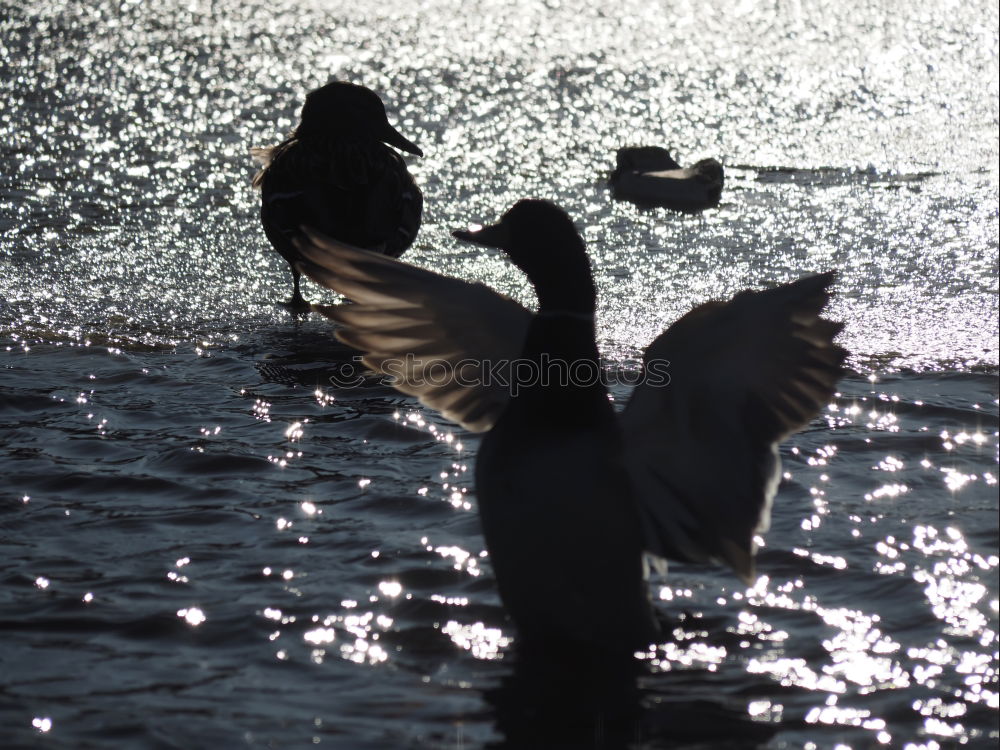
(572, 495)
(336, 173)
(649, 176)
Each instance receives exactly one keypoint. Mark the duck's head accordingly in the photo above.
(349, 110)
(540, 239)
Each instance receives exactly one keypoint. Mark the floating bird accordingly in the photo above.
(649, 176)
(571, 495)
(335, 173)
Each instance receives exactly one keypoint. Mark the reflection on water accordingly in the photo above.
(260, 528)
(209, 539)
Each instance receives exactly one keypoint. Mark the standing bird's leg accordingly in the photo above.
(297, 302)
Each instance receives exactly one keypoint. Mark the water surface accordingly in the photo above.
(207, 544)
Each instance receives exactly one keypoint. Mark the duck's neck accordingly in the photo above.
(565, 387)
(566, 289)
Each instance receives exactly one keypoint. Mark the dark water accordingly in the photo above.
(205, 544)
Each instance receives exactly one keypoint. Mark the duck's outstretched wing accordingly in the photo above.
(702, 447)
(438, 338)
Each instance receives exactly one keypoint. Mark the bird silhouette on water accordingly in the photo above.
(571, 495)
(649, 176)
(336, 173)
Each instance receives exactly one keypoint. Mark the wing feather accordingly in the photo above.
(436, 337)
(702, 449)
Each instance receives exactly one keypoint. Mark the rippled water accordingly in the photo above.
(205, 544)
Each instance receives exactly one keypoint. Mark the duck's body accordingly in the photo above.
(530, 488)
(649, 176)
(336, 174)
(570, 495)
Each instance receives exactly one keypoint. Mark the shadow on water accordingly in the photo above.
(304, 352)
(836, 176)
(568, 700)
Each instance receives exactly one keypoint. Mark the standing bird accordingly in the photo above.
(335, 173)
(570, 494)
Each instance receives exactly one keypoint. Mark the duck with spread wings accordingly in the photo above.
(687, 471)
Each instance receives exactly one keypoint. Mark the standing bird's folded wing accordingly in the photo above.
(440, 339)
(702, 447)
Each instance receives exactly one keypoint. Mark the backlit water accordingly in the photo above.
(205, 544)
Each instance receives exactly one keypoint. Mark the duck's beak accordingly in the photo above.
(492, 235)
(394, 138)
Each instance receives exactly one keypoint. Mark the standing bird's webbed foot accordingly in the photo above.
(298, 305)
